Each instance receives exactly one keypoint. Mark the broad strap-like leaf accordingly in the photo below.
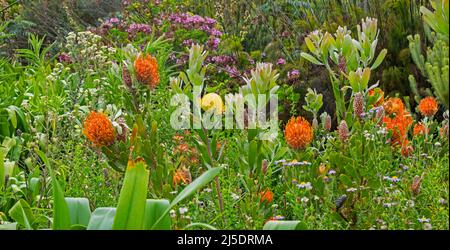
(79, 211)
(132, 199)
(102, 218)
(61, 216)
(285, 225)
(155, 209)
(22, 214)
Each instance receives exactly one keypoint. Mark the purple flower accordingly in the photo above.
(188, 42)
(213, 43)
(138, 27)
(281, 61)
(64, 58)
(232, 71)
(293, 75)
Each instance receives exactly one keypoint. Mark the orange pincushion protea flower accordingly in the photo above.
(394, 106)
(99, 129)
(266, 196)
(419, 129)
(146, 68)
(399, 125)
(380, 94)
(428, 106)
(298, 133)
(182, 175)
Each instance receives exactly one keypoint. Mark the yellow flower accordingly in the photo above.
(212, 101)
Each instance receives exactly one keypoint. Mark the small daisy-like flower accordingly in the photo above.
(387, 205)
(304, 200)
(395, 179)
(183, 210)
(332, 172)
(146, 68)
(428, 106)
(234, 196)
(278, 217)
(305, 185)
(280, 161)
(423, 220)
(296, 163)
(99, 129)
(298, 133)
(351, 190)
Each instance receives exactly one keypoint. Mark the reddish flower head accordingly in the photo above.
(146, 68)
(298, 133)
(99, 129)
(266, 196)
(428, 106)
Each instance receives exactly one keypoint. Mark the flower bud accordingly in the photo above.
(344, 134)
(264, 166)
(358, 105)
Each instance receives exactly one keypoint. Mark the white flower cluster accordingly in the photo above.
(88, 49)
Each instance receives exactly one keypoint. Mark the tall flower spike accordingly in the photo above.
(343, 132)
(328, 122)
(315, 123)
(126, 78)
(358, 105)
(379, 115)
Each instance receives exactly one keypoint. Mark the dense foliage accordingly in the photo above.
(87, 100)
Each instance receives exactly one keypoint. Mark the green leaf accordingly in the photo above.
(79, 211)
(379, 59)
(21, 213)
(131, 207)
(197, 184)
(155, 209)
(61, 215)
(285, 225)
(346, 180)
(12, 117)
(310, 58)
(102, 218)
(310, 45)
